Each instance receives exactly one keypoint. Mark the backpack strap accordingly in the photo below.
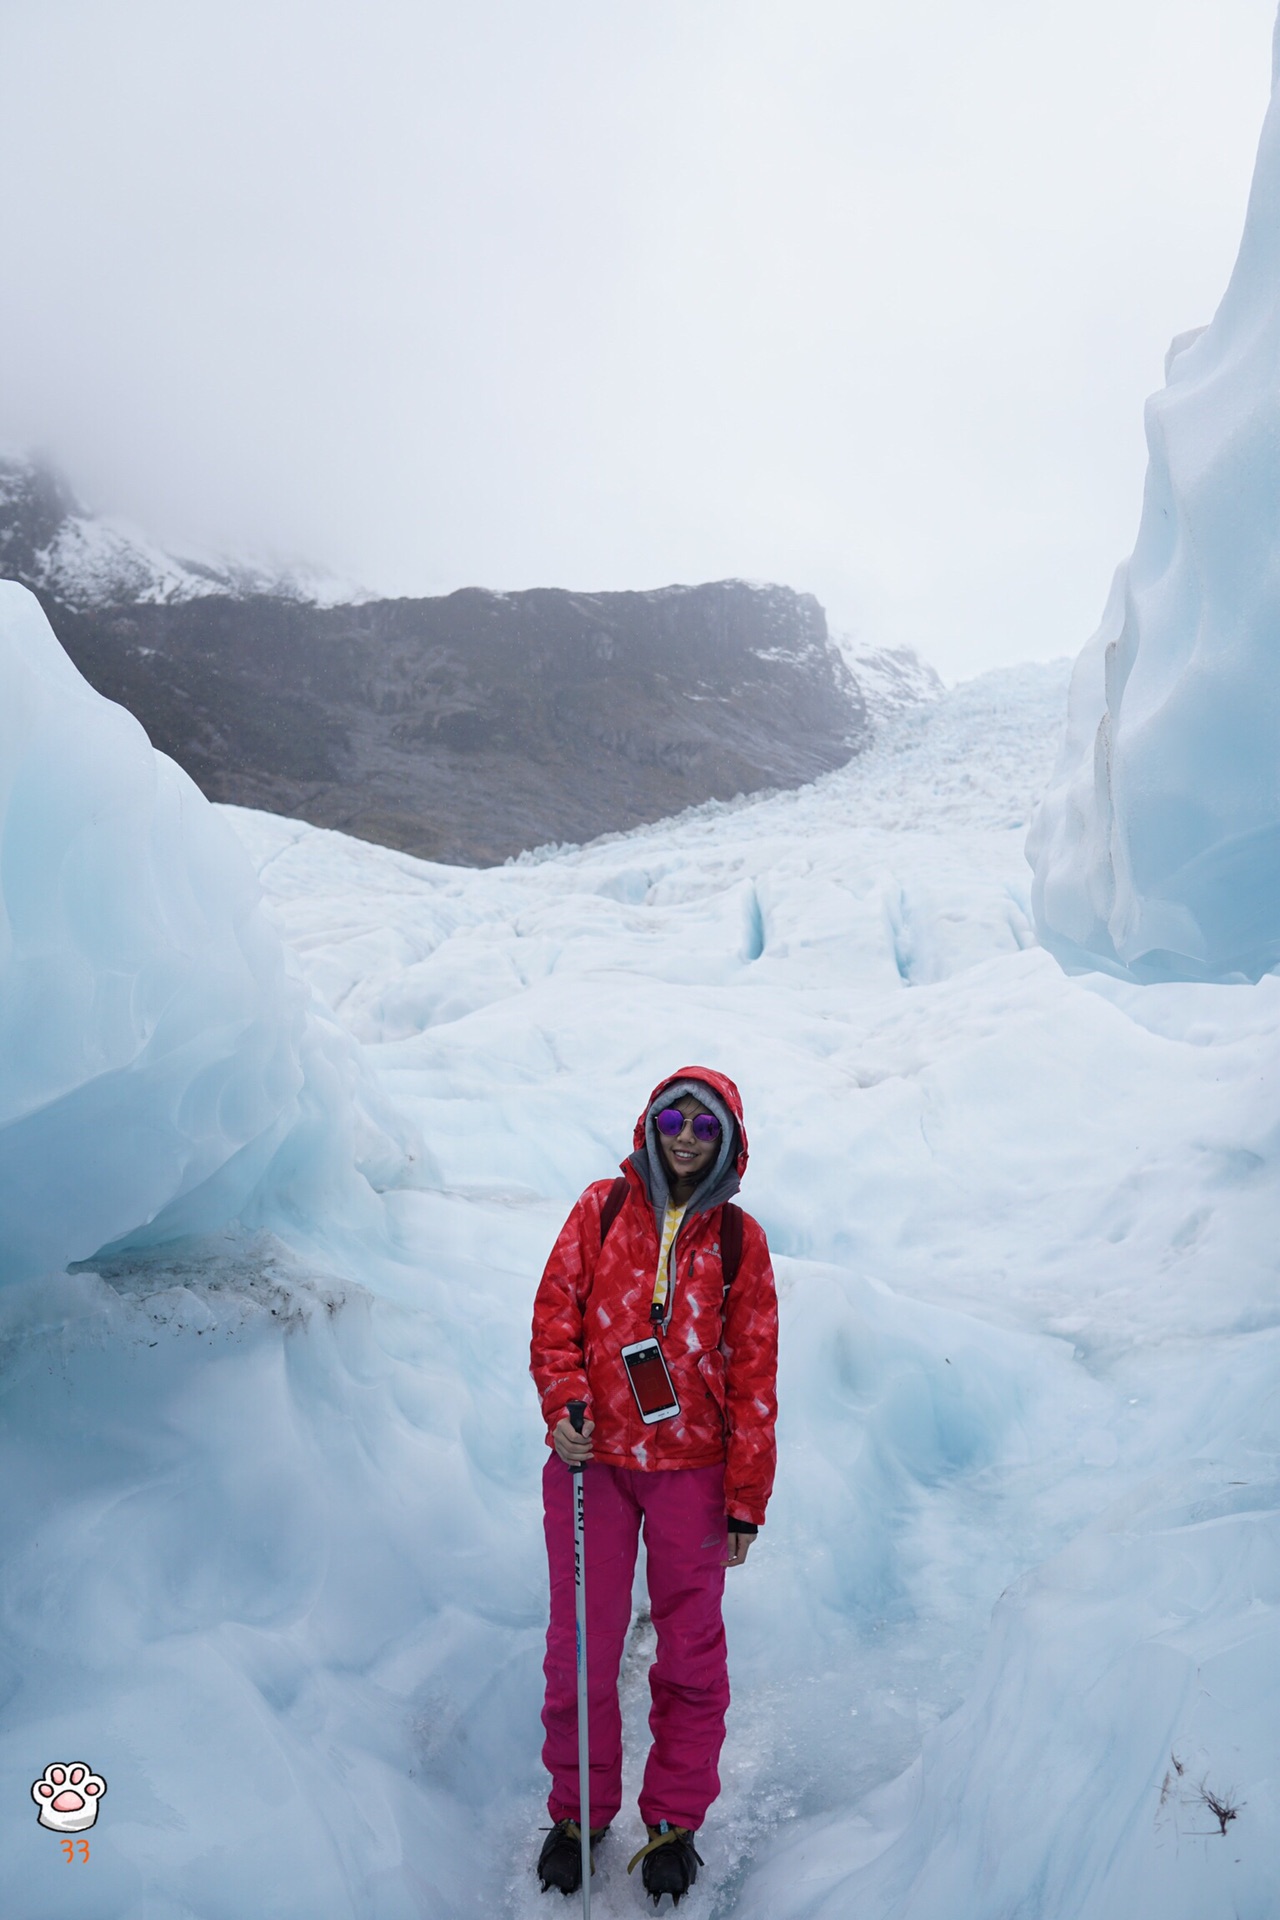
(612, 1206)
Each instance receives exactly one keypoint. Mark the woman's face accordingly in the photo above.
(687, 1159)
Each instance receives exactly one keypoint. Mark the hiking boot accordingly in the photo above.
(671, 1862)
(560, 1862)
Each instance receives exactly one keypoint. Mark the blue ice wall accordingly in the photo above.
(161, 1069)
(1156, 850)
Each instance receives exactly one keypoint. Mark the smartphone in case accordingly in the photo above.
(650, 1381)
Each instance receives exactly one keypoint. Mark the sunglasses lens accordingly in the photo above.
(671, 1122)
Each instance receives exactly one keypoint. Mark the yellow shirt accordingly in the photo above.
(670, 1228)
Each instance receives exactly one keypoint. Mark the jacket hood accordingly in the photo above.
(721, 1086)
(720, 1097)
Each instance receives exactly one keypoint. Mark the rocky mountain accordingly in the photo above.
(470, 727)
(463, 728)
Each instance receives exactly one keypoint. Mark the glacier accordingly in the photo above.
(1157, 847)
(289, 1121)
(270, 1559)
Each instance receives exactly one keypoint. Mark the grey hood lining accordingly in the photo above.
(722, 1181)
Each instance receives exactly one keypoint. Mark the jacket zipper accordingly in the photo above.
(673, 1282)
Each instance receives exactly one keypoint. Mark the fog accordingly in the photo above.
(859, 295)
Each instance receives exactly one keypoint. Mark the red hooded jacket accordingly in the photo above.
(720, 1347)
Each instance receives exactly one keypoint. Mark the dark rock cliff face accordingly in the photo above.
(465, 728)
(34, 506)
(469, 727)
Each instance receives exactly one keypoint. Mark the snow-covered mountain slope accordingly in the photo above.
(272, 1559)
(1157, 849)
(891, 678)
(50, 543)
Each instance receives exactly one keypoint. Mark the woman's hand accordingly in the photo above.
(739, 1548)
(574, 1448)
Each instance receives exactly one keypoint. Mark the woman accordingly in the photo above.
(656, 1309)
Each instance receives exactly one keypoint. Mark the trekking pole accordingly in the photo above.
(577, 1414)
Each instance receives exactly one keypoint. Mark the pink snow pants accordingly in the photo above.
(686, 1539)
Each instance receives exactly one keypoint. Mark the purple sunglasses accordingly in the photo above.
(671, 1122)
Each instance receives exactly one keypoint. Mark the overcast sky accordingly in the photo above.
(860, 295)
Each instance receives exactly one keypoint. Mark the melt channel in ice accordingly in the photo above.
(1157, 847)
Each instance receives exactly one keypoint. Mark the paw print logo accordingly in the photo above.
(68, 1797)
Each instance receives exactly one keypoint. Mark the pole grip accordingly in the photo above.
(577, 1414)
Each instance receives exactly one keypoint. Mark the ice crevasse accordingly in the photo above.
(164, 1069)
(1156, 849)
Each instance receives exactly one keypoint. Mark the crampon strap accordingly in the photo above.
(661, 1836)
